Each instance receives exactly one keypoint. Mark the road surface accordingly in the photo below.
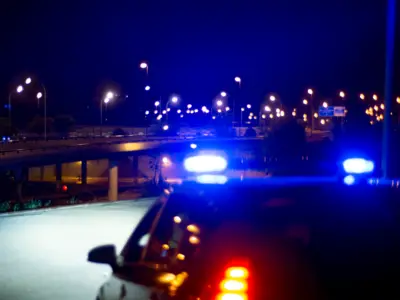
(43, 254)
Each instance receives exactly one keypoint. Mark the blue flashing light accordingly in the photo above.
(349, 180)
(205, 164)
(211, 179)
(358, 166)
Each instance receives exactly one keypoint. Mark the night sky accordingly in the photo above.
(194, 49)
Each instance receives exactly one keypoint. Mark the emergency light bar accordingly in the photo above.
(358, 166)
(205, 164)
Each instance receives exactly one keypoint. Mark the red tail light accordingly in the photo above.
(234, 285)
(64, 188)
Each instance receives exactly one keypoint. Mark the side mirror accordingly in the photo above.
(103, 255)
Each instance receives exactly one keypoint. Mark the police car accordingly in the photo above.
(216, 238)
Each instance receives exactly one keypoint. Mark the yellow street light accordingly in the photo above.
(362, 96)
(305, 101)
(375, 97)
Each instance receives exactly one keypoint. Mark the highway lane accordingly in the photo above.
(43, 254)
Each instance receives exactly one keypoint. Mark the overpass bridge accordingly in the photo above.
(52, 160)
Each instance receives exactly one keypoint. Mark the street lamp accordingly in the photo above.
(272, 98)
(248, 106)
(238, 80)
(219, 103)
(147, 88)
(305, 101)
(362, 96)
(173, 100)
(20, 89)
(157, 103)
(107, 98)
(145, 66)
(342, 94)
(28, 80)
(325, 104)
(223, 94)
(311, 93)
(375, 97)
(267, 108)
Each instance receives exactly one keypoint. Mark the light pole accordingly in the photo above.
(108, 97)
(145, 66)
(311, 92)
(173, 100)
(19, 90)
(39, 95)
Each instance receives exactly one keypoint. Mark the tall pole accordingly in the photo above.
(9, 109)
(390, 41)
(101, 117)
(312, 114)
(45, 111)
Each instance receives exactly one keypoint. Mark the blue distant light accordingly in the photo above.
(349, 180)
(205, 164)
(211, 179)
(358, 166)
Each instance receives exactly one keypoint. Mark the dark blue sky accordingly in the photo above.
(194, 48)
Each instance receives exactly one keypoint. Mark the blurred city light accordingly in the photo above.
(219, 102)
(147, 88)
(193, 146)
(219, 110)
(305, 101)
(242, 109)
(196, 111)
(325, 104)
(213, 117)
(168, 109)
(146, 112)
(20, 88)
(238, 79)
(189, 106)
(181, 116)
(375, 97)
(267, 108)
(107, 100)
(227, 108)
(159, 117)
(156, 112)
(272, 98)
(293, 113)
(188, 111)
(157, 103)
(398, 100)
(28, 80)
(382, 106)
(174, 99)
(39, 95)
(271, 116)
(143, 65)
(322, 122)
(315, 115)
(310, 91)
(263, 116)
(278, 110)
(165, 127)
(342, 94)
(248, 106)
(204, 109)
(282, 113)
(164, 112)
(362, 96)
(178, 111)
(223, 94)
(110, 95)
